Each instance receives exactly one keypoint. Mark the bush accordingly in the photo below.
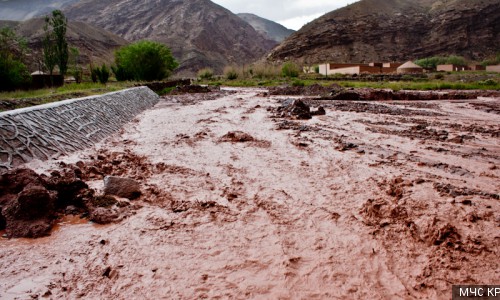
(298, 83)
(231, 73)
(265, 71)
(13, 74)
(144, 60)
(99, 74)
(206, 74)
(433, 62)
(290, 69)
(439, 76)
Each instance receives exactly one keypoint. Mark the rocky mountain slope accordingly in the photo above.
(397, 30)
(268, 28)
(199, 32)
(95, 44)
(21, 10)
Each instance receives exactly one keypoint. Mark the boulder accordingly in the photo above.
(122, 187)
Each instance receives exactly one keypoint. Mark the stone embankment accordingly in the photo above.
(50, 130)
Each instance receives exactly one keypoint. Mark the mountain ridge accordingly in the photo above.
(371, 30)
(200, 33)
(268, 28)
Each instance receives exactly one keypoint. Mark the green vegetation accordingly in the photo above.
(206, 74)
(492, 62)
(433, 62)
(144, 60)
(55, 45)
(19, 99)
(290, 69)
(231, 73)
(13, 73)
(100, 74)
(75, 70)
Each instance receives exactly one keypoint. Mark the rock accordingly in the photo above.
(320, 112)
(237, 137)
(103, 215)
(122, 187)
(3, 222)
(295, 108)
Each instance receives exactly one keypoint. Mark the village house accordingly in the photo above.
(370, 68)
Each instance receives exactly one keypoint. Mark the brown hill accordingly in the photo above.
(397, 30)
(96, 45)
(199, 32)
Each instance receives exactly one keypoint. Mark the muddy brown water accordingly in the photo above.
(362, 203)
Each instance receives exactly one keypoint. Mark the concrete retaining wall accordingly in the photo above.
(54, 129)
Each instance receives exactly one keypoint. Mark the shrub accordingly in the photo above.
(13, 74)
(290, 69)
(433, 62)
(439, 76)
(231, 73)
(265, 71)
(206, 74)
(103, 75)
(298, 83)
(99, 74)
(144, 60)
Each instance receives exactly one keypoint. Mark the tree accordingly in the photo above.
(76, 70)
(144, 60)
(55, 43)
(13, 73)
(49, 50)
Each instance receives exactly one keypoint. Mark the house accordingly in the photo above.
(451, 68)
(476, 68)
(409, 67)
(351, 69)
(493, 68)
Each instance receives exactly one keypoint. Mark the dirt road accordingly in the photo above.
(374, 200)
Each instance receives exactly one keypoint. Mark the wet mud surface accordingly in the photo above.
(372, 200)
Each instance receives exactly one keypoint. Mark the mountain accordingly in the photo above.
(269, 29)
(397, 30)
(21, 10)
(199, 32)
(94, 44)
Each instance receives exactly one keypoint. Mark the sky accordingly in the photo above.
(292, 14)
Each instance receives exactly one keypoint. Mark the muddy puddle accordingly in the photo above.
(372, 200)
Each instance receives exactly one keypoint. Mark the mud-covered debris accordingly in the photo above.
(122, 187)
(31, 214)
(310, 90)
(297, 109)
(103, 215)
(191, 89)
(237, 137)
(446, 235)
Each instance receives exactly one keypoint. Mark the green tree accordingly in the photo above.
(49, 50)
(13, 73)
(55, 44)
(144, 60)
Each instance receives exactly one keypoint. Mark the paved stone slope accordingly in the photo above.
(50, 130)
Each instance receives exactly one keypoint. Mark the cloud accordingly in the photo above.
(291, 13)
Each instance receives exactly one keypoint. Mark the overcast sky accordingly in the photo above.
(292, 14)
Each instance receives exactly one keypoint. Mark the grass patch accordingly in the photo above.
(20, 99)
